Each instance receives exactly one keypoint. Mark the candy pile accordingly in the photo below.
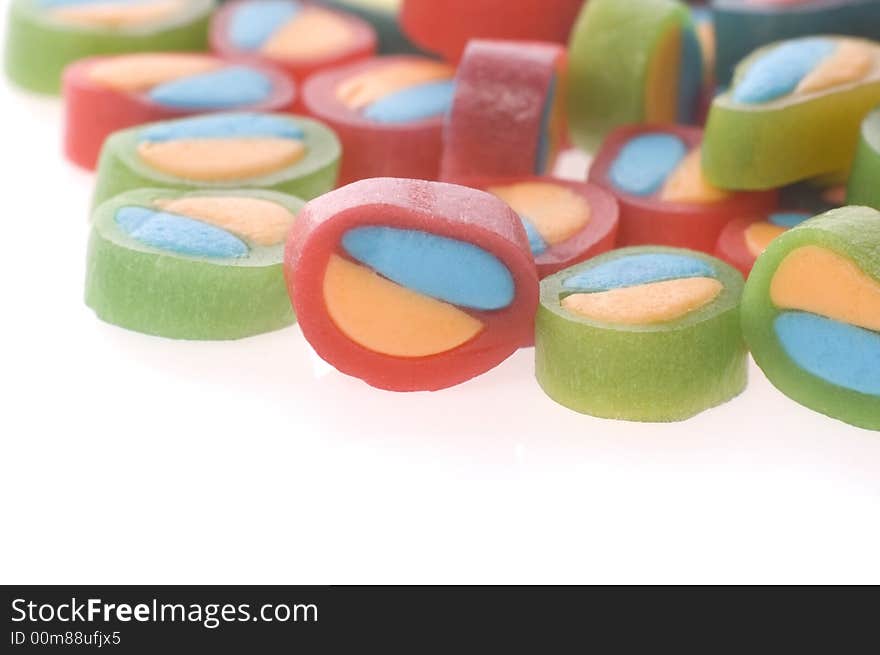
(384, 172)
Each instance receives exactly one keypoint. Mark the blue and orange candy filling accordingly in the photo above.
(410, 293)
(400, 92)
(641, 290)
(222, 147)
(286, 29)
(829, 321)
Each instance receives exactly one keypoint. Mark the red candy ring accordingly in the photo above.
(446, 27)
(361, 44)
(500, 111)
(649, 220)
(93, 111)
(446, 210)
(373, 149)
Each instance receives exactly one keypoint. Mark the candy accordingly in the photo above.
(299, 37)
(744, 239)
(742, 26)
(632, 61)
(566, 222)
(290, 154)
(864, 181)
(411, 285)
(388, 113)
(642, 334)
(507, 114)
(792, 113)
(197, 265)
(445, 28)
(106, 94)
(44, 36)
(654, 172)
(383, 16)
(811, 314)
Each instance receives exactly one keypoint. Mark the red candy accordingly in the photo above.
(93, 110)
(598, 235)
(444, 27)
(651, 220)
(507, 115)
(448, 211)
(371, 148)
(360, 41)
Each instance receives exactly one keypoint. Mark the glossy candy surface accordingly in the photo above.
(411, 285)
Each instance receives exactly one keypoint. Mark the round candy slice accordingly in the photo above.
(106, 94)
(744, 239)
(446, 27)
(299, 37)
(44, 36)
(383, 16)
(198, 265)
(745, 25)
(286, 153)
(642, 334)
(864, 180)
(566, 222)
(507, 114)
(411, 285)
(811, 314)
(632, 61)
(388, 113)
(792, 113)
(654, 172)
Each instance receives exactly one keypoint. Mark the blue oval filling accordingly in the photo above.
(446, 269)
(644, 163)
(253, 23)
(175, 233)
(230, 87)
(778, 72)
(788, 219)
(223, 126)
(415, 103)
(839, 353)
(638, 269)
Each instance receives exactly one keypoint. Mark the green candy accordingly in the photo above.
(39, 46)
(828, 381)
(864, 181)
(795, 137)
(161, 292)
(613, 47)
(120, 167)
(655, 372)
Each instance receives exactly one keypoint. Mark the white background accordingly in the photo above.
(132, 459)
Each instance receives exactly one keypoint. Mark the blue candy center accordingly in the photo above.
(446, 269)
(179, 234)
(419, 102)
(645, 162)
(633, 270)
(223, 126)
(230, 87)
(253, 23)
(788, 219)
(839, 353)
(778, 72)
